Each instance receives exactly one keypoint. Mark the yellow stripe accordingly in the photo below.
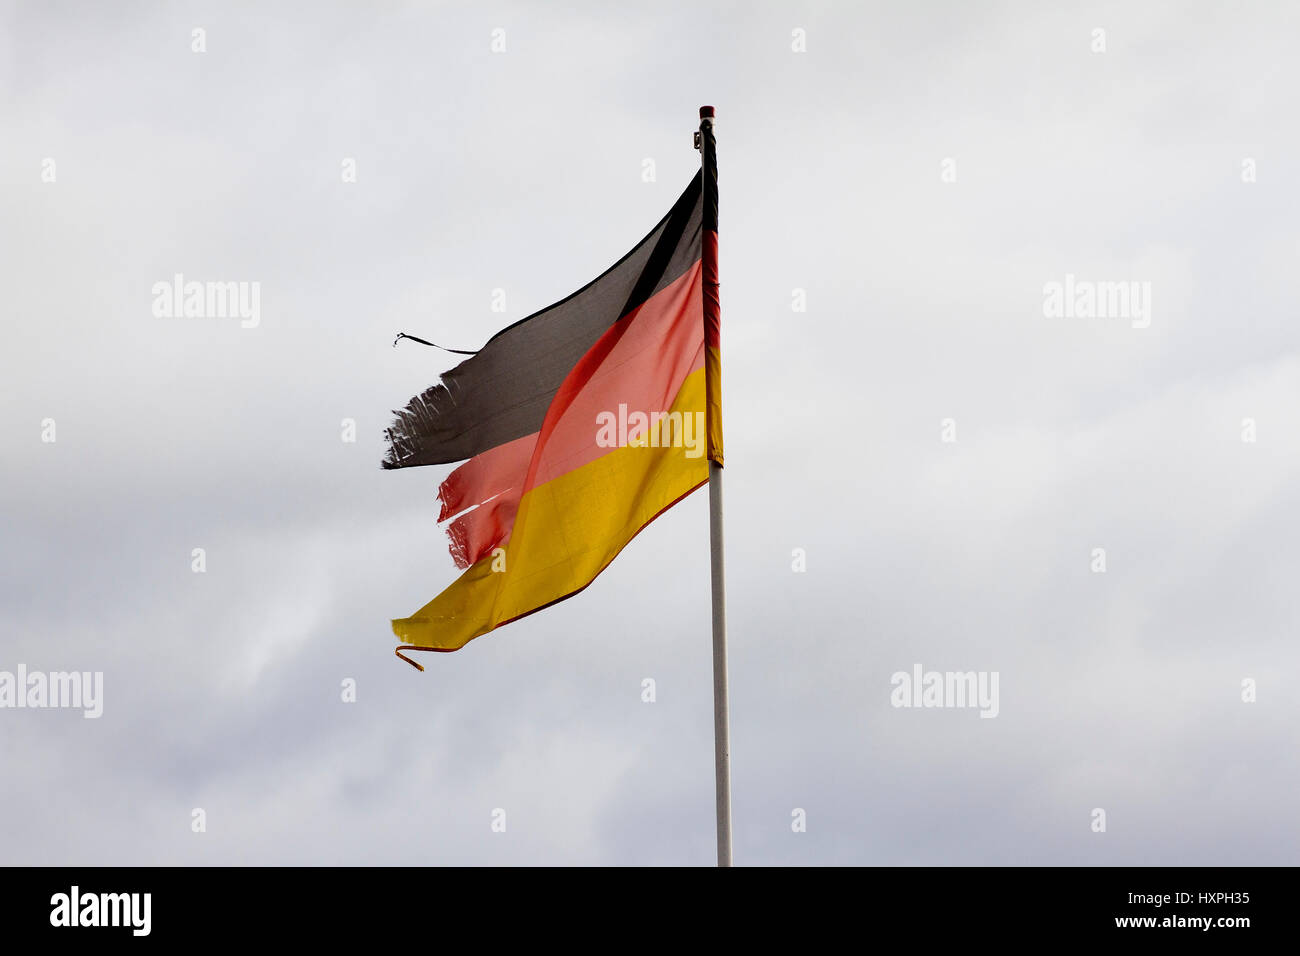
(713, 378)
(566, 532)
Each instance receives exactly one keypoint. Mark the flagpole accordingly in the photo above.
(709, 268)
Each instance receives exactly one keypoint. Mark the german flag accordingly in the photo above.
(577, 426)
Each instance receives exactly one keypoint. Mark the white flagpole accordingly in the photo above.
(721, 721)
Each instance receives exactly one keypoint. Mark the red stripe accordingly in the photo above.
(712, 307)
(485, 476)
(641, 361)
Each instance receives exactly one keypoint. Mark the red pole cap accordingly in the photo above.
(706, 112)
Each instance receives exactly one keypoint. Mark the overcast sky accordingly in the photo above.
(920, 172)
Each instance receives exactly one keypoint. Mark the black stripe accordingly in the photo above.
(709, 168)
(502, 393)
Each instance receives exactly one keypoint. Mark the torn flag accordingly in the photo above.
(577, 426)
